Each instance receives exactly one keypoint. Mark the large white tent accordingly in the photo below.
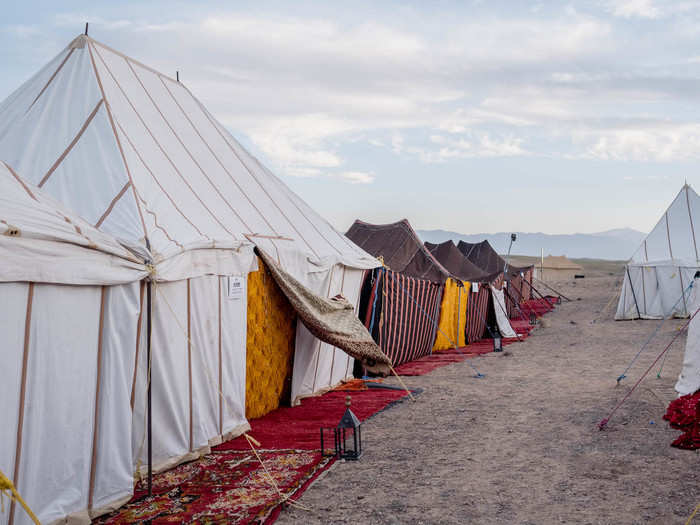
(68, 323)
(658, 277)
(137, 156)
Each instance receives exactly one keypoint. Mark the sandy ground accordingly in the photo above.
(522, 445)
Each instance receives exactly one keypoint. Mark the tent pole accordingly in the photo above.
(149, 329)
(148, 390)
(634, 295)
(542, 296)
(553, 290)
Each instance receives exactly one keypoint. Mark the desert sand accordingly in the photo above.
(522, 444)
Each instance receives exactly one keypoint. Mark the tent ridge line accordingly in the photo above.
(116, 138)
(692, 227)
(182, 110)
(143, 123)
(20, 181)
(22, 394)
(189, 154)
(112, 204)
(291, 199)
(210, 119)
(96, 418)
(60, 66)
(668, 235)
(130, 59)
(153, 176)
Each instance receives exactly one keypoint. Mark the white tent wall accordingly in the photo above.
(197, 355)
(74, 346)
(12, 321)
(659, 290)
(689, 377)
(499, 307)
(319, 366)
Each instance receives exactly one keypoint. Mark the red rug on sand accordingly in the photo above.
(538, 306)
(298, 427)
(222, 487)
(230, 486)
(427, 364)
(684, 414)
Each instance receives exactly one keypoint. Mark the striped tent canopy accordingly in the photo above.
(400, 304)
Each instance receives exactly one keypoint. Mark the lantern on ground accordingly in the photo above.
(497, 343)
(347, 436)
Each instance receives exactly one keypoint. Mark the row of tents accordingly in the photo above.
(431, 297)
(133, 229)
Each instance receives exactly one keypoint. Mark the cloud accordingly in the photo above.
(656, 142)
(355, 177)
(439, 87)
(633, 8)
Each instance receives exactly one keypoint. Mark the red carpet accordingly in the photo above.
(230, 486)
(223, 487)
(684, 414)
(427, 364)
(538, 306)
(298, 427)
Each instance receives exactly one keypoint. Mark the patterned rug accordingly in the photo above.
(223, 487)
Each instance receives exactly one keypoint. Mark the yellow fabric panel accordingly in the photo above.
(269, 344)
(453, 316)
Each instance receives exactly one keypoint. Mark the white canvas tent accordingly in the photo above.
(658, 276)
(68, 322)
(137, 156)
(689, 377)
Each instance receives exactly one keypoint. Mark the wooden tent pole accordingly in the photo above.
(634, 295)
(149, 330)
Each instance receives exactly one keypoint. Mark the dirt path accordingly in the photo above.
(522, 445)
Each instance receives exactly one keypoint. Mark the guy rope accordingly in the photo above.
(604, 422)
(7, 488)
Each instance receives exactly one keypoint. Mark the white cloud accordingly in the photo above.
(661, 142)
(633, 8)
(650, 9)
(355, 177)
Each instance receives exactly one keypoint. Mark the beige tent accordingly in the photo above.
(558, 268)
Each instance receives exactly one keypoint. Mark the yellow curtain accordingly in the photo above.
(269, 344)
(453, 316)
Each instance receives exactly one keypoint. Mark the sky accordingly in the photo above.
(472, 116)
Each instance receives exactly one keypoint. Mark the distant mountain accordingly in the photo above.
(616, 244)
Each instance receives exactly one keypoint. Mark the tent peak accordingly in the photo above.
(79, 42)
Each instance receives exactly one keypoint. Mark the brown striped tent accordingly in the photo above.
(519, 278)
(479, 302)
(400, 303)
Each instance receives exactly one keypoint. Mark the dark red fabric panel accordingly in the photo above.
(476, 313)
(408, 327)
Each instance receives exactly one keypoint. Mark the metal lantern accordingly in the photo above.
(533, 318)
(348, 427)
(497, 343)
